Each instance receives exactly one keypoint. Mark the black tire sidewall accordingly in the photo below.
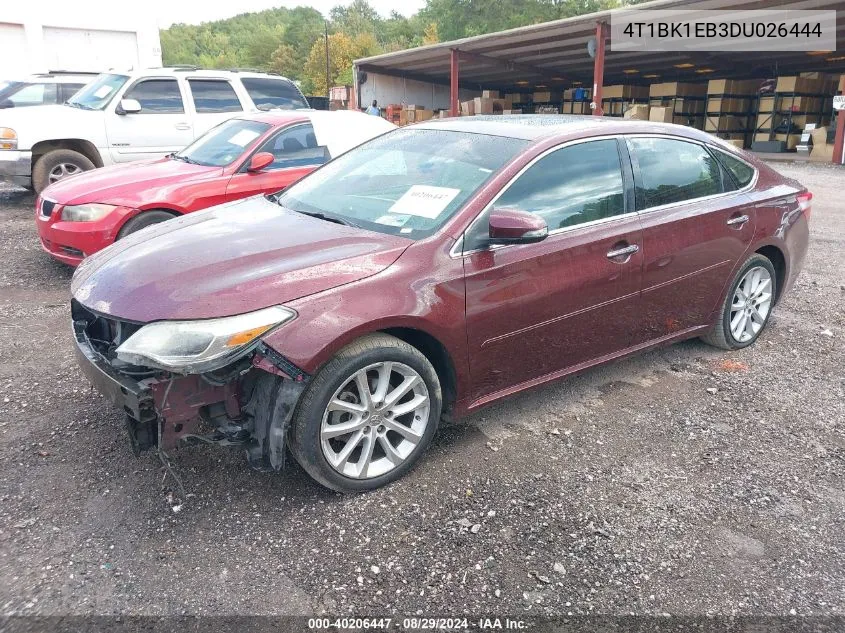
(309, 417)
(143, 220)
(753, 262)
(45, 164)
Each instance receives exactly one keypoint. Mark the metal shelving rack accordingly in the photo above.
(694, 119)
(780, 114)
(746, 132)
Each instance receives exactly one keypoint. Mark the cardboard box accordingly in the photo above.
(467, 108)
(841, 87)
(736, 142)
(420, 115)
(790, 139)
(620, 91)
(822, 153)
(819, 136)
(490, 94)
(729, 105)
(795, 83)
(576, 107)
(512, 111)
(484, 105)
(767, 104)
(764, 120)
(761, 137)
(403, 117)
(516, 97)
(799, 104)
(660, 114)
(725, 123)
(637, 112)
(542, 97)
(732, 86)
(677, 89)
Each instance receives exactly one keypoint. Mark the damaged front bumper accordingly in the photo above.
(249, 403)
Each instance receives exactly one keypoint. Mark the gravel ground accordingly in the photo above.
(635, 488)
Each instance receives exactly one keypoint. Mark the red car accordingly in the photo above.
(436, 269)
(244, 156)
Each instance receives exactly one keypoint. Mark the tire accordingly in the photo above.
(143, 220)
(311, 420)
(722, 335)
(48, 168)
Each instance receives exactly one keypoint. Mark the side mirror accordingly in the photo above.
(128, 106)
(514, 226)
(260, 161)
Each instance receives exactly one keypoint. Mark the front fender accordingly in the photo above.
(330, 320)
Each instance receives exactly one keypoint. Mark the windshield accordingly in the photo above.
(97, 94)
(222, 145)
(407, 182)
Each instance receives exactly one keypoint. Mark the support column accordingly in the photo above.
(598, 66)
(453, 83)
(839, 139)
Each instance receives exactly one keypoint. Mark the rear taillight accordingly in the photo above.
(805, 203)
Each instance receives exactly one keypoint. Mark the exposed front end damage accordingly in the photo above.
(248, 403)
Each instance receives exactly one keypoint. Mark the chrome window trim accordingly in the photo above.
(624, 136)
(578, 141)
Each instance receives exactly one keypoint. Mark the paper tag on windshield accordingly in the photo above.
(243, 138)
(424, 201)
(102, 91)
(392, 220)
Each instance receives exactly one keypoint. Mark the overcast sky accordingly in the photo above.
(196, 11)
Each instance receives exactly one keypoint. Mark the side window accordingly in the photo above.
(295, 147)
(673, 171)
(741, 172)
(574, 185)
(157, 96)
(577, 184)
(267, 94)
(68, 90)
(34, 94)
(214, 96)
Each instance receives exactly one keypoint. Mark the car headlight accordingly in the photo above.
(194, 347)
(86, 212)
(8, 138)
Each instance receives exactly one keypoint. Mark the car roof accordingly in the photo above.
(190, 71)
(536, 127)
(59, 78)
(339, 130)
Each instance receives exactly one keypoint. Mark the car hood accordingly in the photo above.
(228, 260)
(129, 184)
(53, 121)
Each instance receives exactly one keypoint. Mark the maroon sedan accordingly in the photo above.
(432, 271)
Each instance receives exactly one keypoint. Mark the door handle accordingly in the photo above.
(622, 252)
(738, 221)
(183, 126)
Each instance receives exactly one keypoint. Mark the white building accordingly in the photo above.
(35, 38)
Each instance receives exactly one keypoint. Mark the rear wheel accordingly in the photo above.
(58, 165)
(368, 415)
(747, 307)
(143, 220)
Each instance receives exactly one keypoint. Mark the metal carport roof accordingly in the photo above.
(554, 54)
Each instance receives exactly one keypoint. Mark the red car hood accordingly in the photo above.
(227, 260)
(127, 184)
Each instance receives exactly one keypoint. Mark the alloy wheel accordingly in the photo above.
(63, 170)
(751, 304)
(375, 420)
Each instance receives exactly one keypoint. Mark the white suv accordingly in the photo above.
(121, 117)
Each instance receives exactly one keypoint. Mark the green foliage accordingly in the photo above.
(292, 41)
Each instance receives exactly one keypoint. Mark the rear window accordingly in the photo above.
(741, 172)
(672, 171)
(267, 94)
(214, 96)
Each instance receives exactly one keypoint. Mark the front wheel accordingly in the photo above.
(368, 415)
(57, 165)
(747, 307)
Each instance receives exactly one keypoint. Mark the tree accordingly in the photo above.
(430, 34)
(283, 61)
